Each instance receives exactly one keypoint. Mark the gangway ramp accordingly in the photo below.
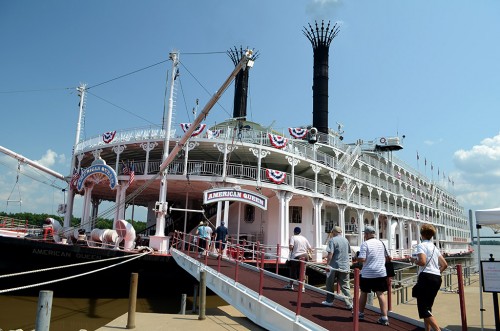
(273, 307)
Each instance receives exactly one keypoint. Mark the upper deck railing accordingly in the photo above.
(299, 148)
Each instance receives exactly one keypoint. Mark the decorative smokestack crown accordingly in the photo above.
(241, 80)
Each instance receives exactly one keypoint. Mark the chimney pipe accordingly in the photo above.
(320, 38)
(240, 84)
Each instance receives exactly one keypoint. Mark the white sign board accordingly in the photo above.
(234, 194)
(491, 276)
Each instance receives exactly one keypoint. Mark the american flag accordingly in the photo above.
(74, 179)
(129, 170)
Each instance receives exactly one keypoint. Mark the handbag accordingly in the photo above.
(389, 266)
(418, 288)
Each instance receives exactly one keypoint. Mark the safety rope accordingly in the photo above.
(133, 257)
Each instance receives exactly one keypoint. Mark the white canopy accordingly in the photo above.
(489, 217)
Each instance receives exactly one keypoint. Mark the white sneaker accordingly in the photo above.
(288, 287)
(326, 303)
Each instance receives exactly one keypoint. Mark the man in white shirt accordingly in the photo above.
(299, 247)
(373, 275)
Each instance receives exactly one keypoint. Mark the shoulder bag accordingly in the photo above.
(389, 266)
(418, 287)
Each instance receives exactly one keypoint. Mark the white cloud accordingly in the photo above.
(319, 9)
(433, 142)
(477, 175)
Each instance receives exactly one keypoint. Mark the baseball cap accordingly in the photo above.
(337, 229)
(297, 230)
(369, 229)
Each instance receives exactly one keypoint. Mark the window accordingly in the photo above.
(249, 213)
(295, 214)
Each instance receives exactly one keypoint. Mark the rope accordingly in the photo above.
(70, 265)
(70, 277)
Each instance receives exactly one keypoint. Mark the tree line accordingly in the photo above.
(38, 219)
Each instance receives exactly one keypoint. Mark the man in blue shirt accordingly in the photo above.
(220, 238)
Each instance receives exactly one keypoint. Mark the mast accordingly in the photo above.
(159, 241)
(32, 163)
(71, 192)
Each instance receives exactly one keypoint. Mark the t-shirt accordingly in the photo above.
(204, 231)
(300, 245)
(373, 250)
(221, 233)
(432, 254)
(340, 248)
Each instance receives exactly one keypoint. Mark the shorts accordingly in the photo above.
(218, 243)
(202, 243)
(425, 299)
(368, 285)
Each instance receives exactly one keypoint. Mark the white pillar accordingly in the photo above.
(317, 243)
(87, 198)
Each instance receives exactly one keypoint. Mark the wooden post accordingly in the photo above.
(195, 299)
(203, 294)
(183, 304)
(132, 301)
(44, 311)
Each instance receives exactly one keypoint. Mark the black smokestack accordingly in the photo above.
(240, 84)
(320, 38)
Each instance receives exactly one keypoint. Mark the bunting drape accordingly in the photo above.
(298, 133)
(276, 176)
(108, 137)
(277, 141)
(199, 129)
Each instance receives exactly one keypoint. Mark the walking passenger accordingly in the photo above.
(205, 233)
(373, 275)
(220, 238)
(430, 266)
(299, 248)
(338, 262)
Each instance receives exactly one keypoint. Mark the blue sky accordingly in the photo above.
(425, 69)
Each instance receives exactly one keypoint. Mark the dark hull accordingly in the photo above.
(158, 274)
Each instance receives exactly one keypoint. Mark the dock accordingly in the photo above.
(446, 309)
(402, 317)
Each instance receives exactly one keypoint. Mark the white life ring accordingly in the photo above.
(382, 140)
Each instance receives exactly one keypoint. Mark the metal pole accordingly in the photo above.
(302, 270)
(132, 301)
(389, 293)
(203, 294)
(183, 304)
(355, 317)
(44, 311)
(461, 296)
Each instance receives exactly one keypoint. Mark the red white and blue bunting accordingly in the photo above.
(276, 176)
(212, 134)
(297, 133)
(277, 141)
(199, 129)
(108, 137)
